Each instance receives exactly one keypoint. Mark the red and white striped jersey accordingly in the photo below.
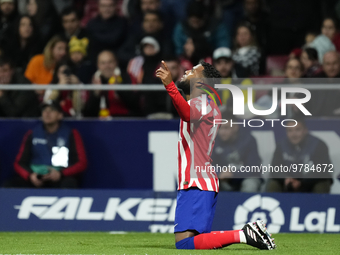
(196, 141)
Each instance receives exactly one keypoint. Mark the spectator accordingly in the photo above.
(175, 68)
(223, 62)
(16, 103)
(40, 69)
(247, 55)
(8, 16)
(152, 26)
(326, 102)
(136, 10)
(71, 101)
(107, 30)
(300, 147)
(257, 18)
(198, 25)
(141, 70)
(330, 29)
(24, 44)
(108, 103)
(310, 61)
(45, 17)
(51, 155)
(293, 71)
(195, 49)
(79, 63)
(323, 45)
(236, 147)
(71, 25)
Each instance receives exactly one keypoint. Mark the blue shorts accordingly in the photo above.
(195, 210)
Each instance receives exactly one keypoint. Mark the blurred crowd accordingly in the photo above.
(123, 41)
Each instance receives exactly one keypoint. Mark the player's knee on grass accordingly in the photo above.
(186, 244)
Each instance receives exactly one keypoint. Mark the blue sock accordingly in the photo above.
(186, 244)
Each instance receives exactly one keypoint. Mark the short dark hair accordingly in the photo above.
(312, 54)
(68, 10)
(157, 13)
(209, 70)
(6, 61)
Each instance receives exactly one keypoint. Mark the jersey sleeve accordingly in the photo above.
(185, 110)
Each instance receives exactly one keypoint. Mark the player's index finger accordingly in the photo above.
(165, 66)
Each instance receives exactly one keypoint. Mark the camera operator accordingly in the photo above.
(71, 102)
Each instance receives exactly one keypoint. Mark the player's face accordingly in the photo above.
(195, 72)
(227, 132)
(296, 134)
(184, 84)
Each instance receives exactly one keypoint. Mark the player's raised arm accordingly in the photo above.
(179, 102)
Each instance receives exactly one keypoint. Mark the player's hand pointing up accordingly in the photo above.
(164, 74)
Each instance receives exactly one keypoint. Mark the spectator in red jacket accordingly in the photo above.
(51, 155)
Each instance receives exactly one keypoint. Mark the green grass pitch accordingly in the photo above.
(147, 243)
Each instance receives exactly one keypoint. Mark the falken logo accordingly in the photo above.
(79, 208)
(277, 218)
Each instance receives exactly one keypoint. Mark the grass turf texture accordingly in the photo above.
(147, 243)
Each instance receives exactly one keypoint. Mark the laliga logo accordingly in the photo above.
(277, 218)
(238, 99)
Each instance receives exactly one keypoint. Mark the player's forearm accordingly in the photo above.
(182, 106)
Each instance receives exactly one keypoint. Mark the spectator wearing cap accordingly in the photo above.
(310, 61)
(198, 24)
(51, 155)
(246, 55)
(107, 30)
(16, 103)
(113, 103)
(71, 25)
(8, 16)
(141, 70)
(223, 62)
